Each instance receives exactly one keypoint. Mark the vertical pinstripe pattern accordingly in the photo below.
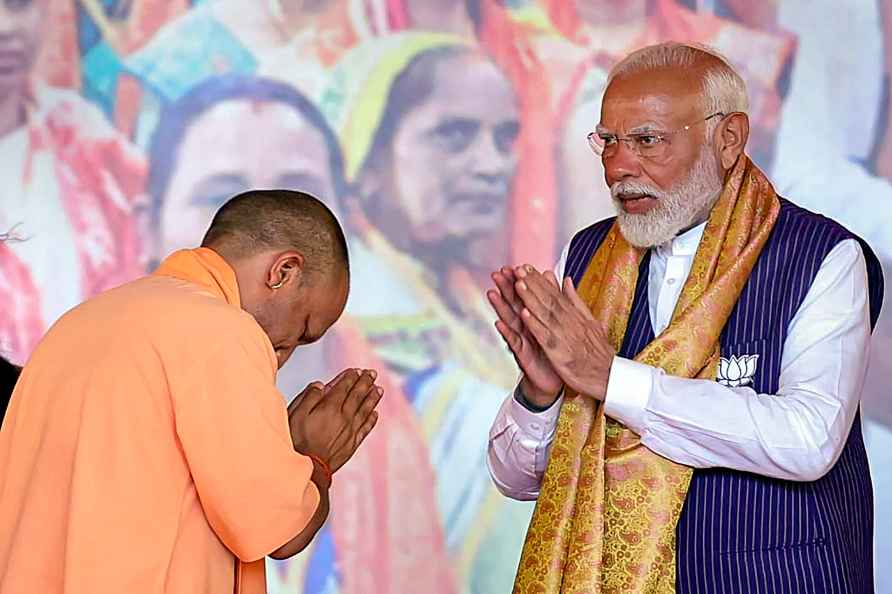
(740, 532)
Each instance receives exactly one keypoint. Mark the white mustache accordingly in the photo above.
(624, 188)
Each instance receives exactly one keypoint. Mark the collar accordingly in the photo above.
(204, 267)
(683, 245)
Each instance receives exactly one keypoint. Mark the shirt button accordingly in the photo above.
(670, 281)
(534, 426)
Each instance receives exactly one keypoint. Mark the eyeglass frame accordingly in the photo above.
(629, 138)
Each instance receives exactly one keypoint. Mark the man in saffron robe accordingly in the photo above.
(233, 132)
(688, 415)
(147, 449)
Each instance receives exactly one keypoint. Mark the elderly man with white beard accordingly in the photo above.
(687, 417)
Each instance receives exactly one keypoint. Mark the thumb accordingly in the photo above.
(570, 291)
(307, 400)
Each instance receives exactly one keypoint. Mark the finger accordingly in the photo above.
(509, 273)
(359, 405)
(298, 398)
(358, 393)
(341, 387)
(372, 398)
(552, 279)
(356, 436)
(365, 429)
(522, 272)
(505, 312)
(512, 339)
(534, 303)
(307, 400)
(336, 379)
(505, 281)
(546, 338)
(366, 412)
(574, 298)
(544, 288)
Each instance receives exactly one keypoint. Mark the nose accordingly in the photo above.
(488, 162)
(621, 164)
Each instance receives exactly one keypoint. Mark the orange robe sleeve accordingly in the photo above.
(232, 424)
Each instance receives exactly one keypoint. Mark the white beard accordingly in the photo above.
(677, 208)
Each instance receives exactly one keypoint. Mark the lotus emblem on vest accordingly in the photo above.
(737, 371)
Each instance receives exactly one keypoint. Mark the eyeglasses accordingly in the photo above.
(650, 144)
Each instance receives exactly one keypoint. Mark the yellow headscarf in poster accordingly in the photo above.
(356, 97)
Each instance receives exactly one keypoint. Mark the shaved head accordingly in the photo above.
(264, 220)
(289, 256)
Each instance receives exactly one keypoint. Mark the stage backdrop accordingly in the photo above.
(449, 136)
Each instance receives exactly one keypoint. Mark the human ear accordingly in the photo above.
(730, 138)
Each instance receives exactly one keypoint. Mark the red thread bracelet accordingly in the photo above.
(325, 468)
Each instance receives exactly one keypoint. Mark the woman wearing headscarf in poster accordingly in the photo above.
(534, 204)
(232, 133)
(582, 39)
(296, 40)
(428, 124)
(72, 187)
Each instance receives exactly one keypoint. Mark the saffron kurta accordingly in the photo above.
(146, 448)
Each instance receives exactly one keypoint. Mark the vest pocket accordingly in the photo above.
(780, 569)
(747, 513)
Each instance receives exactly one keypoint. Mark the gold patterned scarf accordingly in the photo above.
(606, 515)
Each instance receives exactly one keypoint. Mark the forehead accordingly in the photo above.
(259, 138)
(471, 86)
(663, 98)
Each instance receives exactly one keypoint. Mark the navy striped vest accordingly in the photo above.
(741, 532)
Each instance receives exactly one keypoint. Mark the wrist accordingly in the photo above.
(601, 384)
(322, 474)
(533, 398)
